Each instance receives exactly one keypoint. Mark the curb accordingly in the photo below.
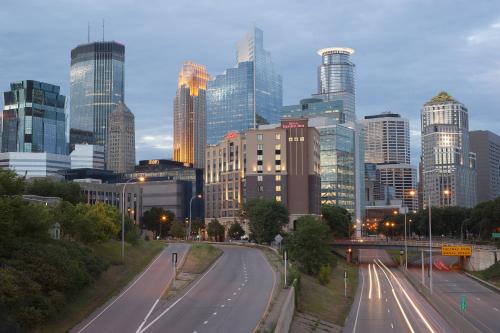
(484, 283)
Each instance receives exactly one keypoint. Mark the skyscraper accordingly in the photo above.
(486, 145)
(96, 88)
(246, 95)
(387, 146)
(189, 115)
(33, 118)
(448, 166)
(120, 149)
(336, 78)
(387, 138)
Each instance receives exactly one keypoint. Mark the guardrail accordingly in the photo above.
(437, 243)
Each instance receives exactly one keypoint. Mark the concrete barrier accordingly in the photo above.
(286, 314)
(482, 259)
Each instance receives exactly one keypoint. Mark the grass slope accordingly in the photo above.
(200, 257)
(491, 274)
(114, 279)
(328, 302)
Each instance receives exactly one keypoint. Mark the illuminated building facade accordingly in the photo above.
(225, 179)
(96, 88)
(246, 95)
(189, 115)
(336, 78)
(448, 165)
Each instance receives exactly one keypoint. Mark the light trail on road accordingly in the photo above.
(370, 275)
(378, 282)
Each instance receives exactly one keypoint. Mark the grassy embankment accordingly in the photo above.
(114, 279)
(491, 274)
(327, 302)
(199, 258)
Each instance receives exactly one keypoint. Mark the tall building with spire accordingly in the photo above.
(448, 165)
(120, 148)
(96, 88)
(189, 115)
(336, 78)
(246, 95)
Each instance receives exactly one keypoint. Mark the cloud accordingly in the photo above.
(485, 35)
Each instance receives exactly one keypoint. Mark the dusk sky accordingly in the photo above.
(406, 51)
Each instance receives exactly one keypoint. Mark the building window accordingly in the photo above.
(290, 139)
(278, 188)
(278, 157)
(259, 178)
(260, 188)
(278, 198)
(260, 146)
(296, 139)
(259, 137)
(259, 157)
(278, 167)
(277, 178)
(301, 138)
(259, 168)
(277, 147)
(277, 136)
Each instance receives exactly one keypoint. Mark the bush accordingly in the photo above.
(293, 274)
(324, 274)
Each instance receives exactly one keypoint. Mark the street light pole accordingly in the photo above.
(430, 245)
(190, 203)
(141, 179)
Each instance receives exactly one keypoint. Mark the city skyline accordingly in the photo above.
(388, 76)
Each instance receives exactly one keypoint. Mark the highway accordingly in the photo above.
(386, 302)
(231, 297)
(125, 312)
(483, 305)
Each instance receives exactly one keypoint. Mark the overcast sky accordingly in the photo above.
(406, 51)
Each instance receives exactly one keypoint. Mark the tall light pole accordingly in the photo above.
(190, 202)
(163, 218)
(140, 179)
(430, 245)
(412, 194)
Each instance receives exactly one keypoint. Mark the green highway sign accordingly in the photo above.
(495, 235)
(463, 303)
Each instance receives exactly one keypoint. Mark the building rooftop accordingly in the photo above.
(442, 97)
(384, 115)
(344, 50)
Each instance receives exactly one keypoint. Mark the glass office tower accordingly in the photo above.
(189, 115)
(448, 165)
(247, 95)
(336, 78)
(34, 119)
(96, 87)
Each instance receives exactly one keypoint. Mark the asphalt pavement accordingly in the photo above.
(231, 296)
(483, 304)
(386, 302)
(125, 312)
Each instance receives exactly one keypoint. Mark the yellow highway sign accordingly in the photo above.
(454, 250)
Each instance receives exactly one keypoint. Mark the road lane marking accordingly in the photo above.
(234, 294)
(397, 300)
(408, 297)
(370, 275)
(215, 313)
(205, 322)
(378, 282)
(123, 293)
(360, 297)
(392, 325)
(182, 297)
(228, 299)
(147, 316)
(495, 309)
(222, 305)
(388, 311)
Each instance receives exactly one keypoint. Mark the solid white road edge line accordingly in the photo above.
(360, 297)
(181, 298)
(123, 293)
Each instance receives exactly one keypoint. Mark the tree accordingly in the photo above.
(177, 230)
(485, 219)
(309, 245)
(216, 230)
(196, 225)
(68, 191)
(10, 183)
(338, 219)
(266, 219)
(235, 231)
(158, 220)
